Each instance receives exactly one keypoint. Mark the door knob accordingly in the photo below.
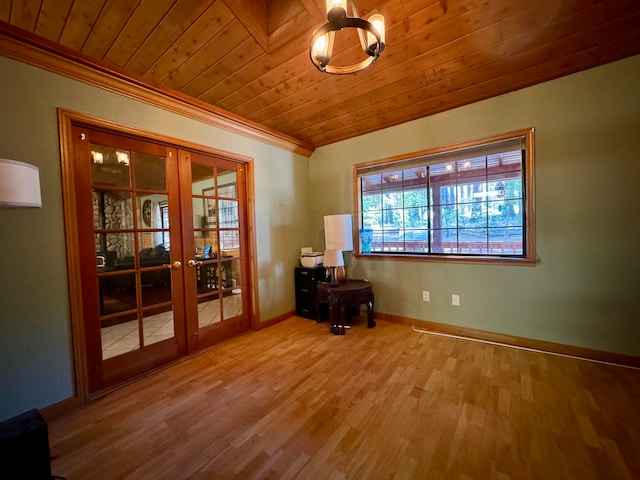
(192, 263)
(176, 265)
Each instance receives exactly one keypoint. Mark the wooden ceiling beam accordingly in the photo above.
(251, 80)
(223, 69)
(253, 16)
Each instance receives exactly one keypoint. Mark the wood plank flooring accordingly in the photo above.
(296, 402)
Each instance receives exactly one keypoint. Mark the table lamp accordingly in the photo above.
(333, 259)
(338, 235)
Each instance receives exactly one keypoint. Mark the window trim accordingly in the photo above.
(529, 205)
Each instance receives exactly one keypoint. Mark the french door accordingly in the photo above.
(161, 239)
(212, 195)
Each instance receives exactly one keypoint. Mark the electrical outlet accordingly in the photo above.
(455, 300)
(426, 296)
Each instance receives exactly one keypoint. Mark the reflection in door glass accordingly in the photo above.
(214, 311)
(136, 307)
(112, 210)
(232, 304)
(227, 183)
(117, 295)
(206, 242)
(120, 338)
(208, 312)
(110, 166)
(150, 172)
(150, 210)
(232, 274)
(202, 180)
(207, 276)
(158, 326)
(216, 236)
(114, 251)
(204, 213)
(229, 214)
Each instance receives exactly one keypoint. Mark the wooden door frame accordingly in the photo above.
(67, 118)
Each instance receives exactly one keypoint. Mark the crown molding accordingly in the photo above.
(27, 48)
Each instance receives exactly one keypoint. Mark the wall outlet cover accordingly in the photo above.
(455, 300)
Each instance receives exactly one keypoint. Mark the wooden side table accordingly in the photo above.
(349, 293)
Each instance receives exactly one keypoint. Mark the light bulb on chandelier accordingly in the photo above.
(371, 33)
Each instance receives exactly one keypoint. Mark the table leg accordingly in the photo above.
(370, 321)
(337, 325)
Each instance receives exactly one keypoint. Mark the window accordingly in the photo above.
(472, 201)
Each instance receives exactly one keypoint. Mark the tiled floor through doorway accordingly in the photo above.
(124, 337)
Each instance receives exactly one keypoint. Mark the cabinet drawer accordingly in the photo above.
(306, 290)
(306, 299)
(307, 277)
(305, 312)
(306, 285)
(306, 280)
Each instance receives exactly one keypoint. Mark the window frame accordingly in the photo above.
(439, 156)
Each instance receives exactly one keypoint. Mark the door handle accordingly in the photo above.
(176, 265)
(192, 263)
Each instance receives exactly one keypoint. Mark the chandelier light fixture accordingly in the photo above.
(371, 33)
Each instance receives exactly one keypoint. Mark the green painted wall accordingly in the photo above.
(584, 291)
(36, 367)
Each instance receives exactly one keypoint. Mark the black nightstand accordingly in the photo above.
(306, 280)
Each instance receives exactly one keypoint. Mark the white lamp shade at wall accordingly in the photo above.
(338, 232)
(19, 184)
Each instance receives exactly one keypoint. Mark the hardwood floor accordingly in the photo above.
(295, 402)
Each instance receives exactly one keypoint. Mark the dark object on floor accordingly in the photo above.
(24, 447)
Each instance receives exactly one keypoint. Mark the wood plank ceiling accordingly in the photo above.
(252, 58)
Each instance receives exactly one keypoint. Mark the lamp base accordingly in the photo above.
(333, 279)
(336, 275)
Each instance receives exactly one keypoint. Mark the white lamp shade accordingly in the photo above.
(19, 184)
(338, 232)
(333, 258)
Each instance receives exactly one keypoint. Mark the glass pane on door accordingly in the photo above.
(232, 300)
(131, 230)
(216, 237)
(205, 239)
(229, 219)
